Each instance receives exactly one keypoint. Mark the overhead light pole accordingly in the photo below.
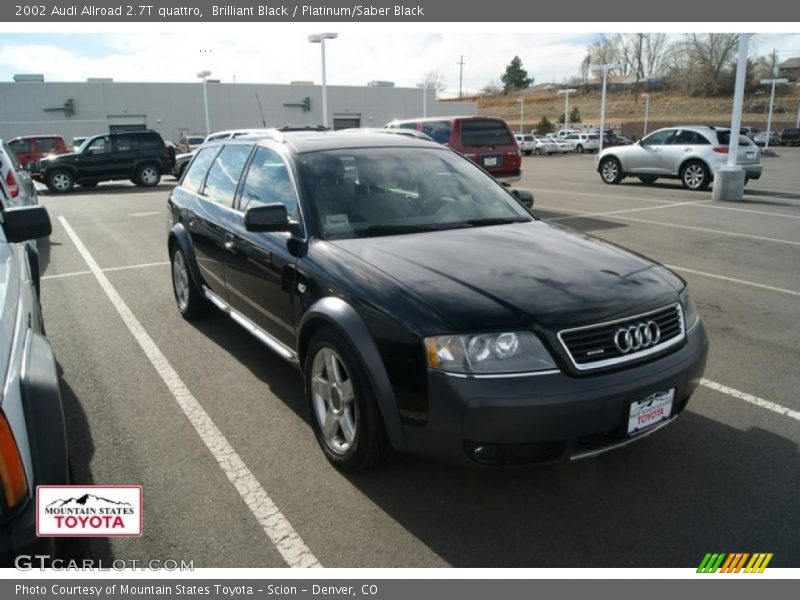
(566, 94)
(319, 38)
(521, 113)
(773, 83)
(646, 111)
(204, 75)
(604, 69)
(424, 87)
(729, 178)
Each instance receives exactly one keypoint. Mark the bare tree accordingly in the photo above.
(710, 56)
(434, 80)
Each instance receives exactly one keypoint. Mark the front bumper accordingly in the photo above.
(549, 418)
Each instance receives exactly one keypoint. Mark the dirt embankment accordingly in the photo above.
(625, 109)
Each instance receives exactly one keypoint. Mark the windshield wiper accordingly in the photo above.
(496, 221)
(401, 229)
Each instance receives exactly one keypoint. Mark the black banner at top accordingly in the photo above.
(607, 11)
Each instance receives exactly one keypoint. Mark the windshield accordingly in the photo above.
(371, 192)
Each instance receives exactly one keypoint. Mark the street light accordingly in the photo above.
(204, 75)
(521, 113)
(566, 104)
(424, 87)
(646, 111)
(319, 38)
(605, 69)
(771, 82)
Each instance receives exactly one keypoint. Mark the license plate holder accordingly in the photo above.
(650, 410)
(490, 160)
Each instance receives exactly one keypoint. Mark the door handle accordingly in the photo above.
(228, 244)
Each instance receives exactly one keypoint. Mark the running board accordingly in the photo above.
(269, 341)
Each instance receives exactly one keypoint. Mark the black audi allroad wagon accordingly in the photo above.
(428, 309)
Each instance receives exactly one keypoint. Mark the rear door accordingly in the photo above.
(682, 144)
(260, 270)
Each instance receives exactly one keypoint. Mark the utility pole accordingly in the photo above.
(460, 75)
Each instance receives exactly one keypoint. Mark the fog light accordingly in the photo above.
(487, 454)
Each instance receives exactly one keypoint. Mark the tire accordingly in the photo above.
(538, 152)
(647, 179)
(148, 175)
(579, 149)
(695, 175)
(527, 152)
(344, 413)
(611, 170)
(60, 182)
(189, 298)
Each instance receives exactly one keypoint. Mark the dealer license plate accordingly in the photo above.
(648, 411)
(490, 161)
(751, 155)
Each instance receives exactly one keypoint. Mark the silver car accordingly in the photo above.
(689, 153)
(544, 145)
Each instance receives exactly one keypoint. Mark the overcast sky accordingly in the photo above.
(281, 56)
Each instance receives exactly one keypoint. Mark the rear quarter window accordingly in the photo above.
(438, 131)
(196, 173)
(485, 133)
(150, 140)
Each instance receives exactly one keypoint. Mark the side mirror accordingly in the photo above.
(24, 223)
(524, 197)
(267, 217)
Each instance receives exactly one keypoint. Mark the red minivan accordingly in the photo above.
(32, 148)
(486, 141)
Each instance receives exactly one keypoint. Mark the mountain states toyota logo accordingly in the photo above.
(89, 511)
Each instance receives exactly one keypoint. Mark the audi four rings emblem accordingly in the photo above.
(637, 337)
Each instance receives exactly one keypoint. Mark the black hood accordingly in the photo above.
(518, 274)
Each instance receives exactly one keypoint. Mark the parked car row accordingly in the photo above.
(790, 136)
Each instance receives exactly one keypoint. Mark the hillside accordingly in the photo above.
(625, 109)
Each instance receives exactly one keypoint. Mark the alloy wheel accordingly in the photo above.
(180, 281)
(333, 399)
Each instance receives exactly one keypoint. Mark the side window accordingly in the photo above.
(46, 145)
(439, 131)
(197, 171)
(223, 177)
(100, 145)
(686, 137)
(149, 140)
(658, 138)
(406, 126)
(268, 182)
(125, 143)
(20, 145)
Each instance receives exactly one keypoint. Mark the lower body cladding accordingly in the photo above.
(554, 417)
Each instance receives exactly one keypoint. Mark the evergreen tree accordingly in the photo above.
(515, 77)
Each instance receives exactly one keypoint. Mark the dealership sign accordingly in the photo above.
(91, 510)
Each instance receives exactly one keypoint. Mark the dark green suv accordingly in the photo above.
(141, 156)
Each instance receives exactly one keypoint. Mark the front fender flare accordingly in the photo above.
(345, 319)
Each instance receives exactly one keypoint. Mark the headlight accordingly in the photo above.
(507, 352)
(690, 315)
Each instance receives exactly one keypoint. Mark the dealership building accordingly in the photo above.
(29, 105)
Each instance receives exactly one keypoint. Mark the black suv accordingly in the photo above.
(141, 156)
(427, 309)
(790, 136)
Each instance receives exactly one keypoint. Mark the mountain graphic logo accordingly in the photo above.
(88, 501)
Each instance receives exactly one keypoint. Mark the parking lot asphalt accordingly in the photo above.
(724, 477)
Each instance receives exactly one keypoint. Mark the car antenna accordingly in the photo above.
(261, 112)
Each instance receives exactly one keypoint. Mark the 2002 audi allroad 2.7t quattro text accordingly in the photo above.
(427, 309)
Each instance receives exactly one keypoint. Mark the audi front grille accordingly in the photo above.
(624, 340)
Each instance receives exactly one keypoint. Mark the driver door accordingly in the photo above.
(647, 155)
(96, 160)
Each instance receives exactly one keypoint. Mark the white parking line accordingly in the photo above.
(629, 210)
(735, 280)
(76, 273)
(290, 545)
(774, 407)
(715, 231)
(151, 213)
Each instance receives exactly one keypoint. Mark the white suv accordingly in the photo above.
(584, 142)
(526, 143)
(690, 153)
